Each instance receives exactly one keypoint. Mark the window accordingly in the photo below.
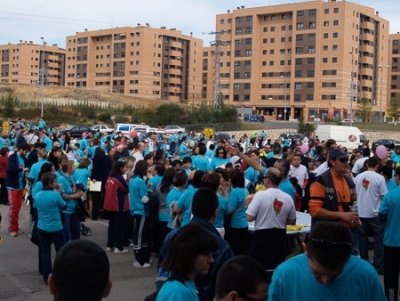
(311, 61)
(265, 41)
(395, 42)
(272, 28)
(248, 52)
(247, 75)
(300, 14)
(311, 37)
(300, 25)
(326, 23)
(237, 42)
(249, 30)
(325, 48)
(248, 41)
(272, 51)
(310, 73)
(326, 35)
(312, 25)
(236, 75)
(237, 64)
(324, 72)
(326, 11)
(333, 72)
(333, 97)
(265, 52)
(297, 73)
(297, 97)
(299, 49)
(284, 16)
(235, 97)
(282, 62)
(311, 49)
(335, 35)
(247, 64)
(272, 40)
(238, 20)
(333, 85)
(283, 28)
(299, 61)
(282, 51)
(324, 85)
(221, 21)
(249, 19)
(237, 52)
(238, 31)
(334, 47)
(310, 85)
(297, 86)
(335, 22)
(273, 17)
(312, 12)
(271, 63)
(236, 86)
(299, 37)
(265, 29)
(325, 60)
(334, 60)
(283, 40)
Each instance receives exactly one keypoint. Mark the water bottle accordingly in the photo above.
(354, 207)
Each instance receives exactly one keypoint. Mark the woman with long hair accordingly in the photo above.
(189, 255)
(138, 197)
(180, 182)
(70, 194)
(54, 155)
(116, 203)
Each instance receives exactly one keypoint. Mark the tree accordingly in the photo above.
(394, 109)
(305, 127)
(9, 108)
(364, 109)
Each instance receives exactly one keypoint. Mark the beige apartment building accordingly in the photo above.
(140, 61)
(23, 63)
(394, 66)
(307, 58)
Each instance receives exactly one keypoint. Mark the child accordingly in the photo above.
(187, 164)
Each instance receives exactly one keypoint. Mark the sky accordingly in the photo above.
(29, 20)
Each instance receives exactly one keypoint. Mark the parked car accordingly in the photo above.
(297, 136)
(102, 128)
(174, 129)
(76, 131)
(250, 118)
(346, 121)
(388, 143)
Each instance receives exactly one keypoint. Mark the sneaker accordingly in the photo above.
(20, 231)
(138, 265)
(118, 251)
(150, 261)
(108, 249)
(13, 234)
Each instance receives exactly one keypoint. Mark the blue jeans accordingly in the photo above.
(46, 239)
(72, 227)
(377, 228)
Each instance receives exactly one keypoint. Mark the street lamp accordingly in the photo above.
(284, 109)
(351, 90)
(43, 69)
(380, 109)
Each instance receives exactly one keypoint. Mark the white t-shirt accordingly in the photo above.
(300, 173)
(358, 165)
(370, 186)
(271, 208)
(138, 156)
(209, 142)
(322, 168)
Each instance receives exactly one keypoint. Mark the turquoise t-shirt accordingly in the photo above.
(81, 175)
(48, 203)
(67, 183)
(286, 186)
(173, 195)
(223, 210)
(200, 163)
(391, 184)
(251, 174)
(215, 162)
(174, 290)
(35, 169)
(185, 203)
(293, 280)
(236, 201)
(137, 190)
(154, 181)
(390, 207)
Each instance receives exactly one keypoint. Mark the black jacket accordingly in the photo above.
(13, 171)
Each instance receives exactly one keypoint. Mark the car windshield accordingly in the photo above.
(362, 138)
(69, 128)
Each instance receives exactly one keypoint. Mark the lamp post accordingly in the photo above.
(42, 70)
(351, 90)
(380, 109)
(284, 109)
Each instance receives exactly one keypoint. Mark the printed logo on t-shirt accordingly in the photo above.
(365, 184)
(277, 206)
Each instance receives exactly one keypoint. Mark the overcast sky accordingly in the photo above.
(29, 20)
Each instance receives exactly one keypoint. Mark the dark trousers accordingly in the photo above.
(238, 240)
(161, 230)
(72, 227)
(391, 269)
(46, 239)
(116, 230)
(268, 247)
(3, 192)
(98, 201)
(141, 238)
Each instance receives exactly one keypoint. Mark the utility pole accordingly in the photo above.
(351, 89)
(380, 109)
(218, 43)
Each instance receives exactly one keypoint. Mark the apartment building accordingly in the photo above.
(394, 66)
(140, 61)
(307, 58)
(23, 63)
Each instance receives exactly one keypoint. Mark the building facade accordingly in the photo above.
(394, 66)
(140, 61)
(295, 59)
(24, 63)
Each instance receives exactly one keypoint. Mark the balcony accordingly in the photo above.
(175, 53)
(174, 90)
(175, 71)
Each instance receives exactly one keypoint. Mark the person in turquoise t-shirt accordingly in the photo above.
(192, 245)
(180, 183)
(326, 270)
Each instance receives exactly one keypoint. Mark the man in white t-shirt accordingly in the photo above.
(139, 150)
(298, 171)
(371, 188)
(211, 141)
(271, 209)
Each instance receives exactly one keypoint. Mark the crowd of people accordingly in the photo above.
(192, 210)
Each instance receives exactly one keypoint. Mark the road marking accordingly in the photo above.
(18, 283)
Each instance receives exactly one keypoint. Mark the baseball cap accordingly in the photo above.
(338, 153)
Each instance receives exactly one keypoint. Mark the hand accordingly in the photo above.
(351, 218)
(149, 185)
(233, 150)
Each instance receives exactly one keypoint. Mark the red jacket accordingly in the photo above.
(3, 166)
(111, 195)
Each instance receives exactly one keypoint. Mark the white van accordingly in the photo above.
(348, 136)
(124, 128)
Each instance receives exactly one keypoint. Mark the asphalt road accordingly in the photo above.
(20, 279)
